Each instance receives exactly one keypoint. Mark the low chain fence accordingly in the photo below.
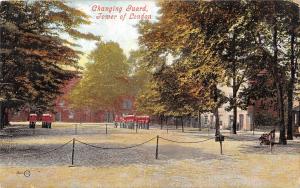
(40, 154)
(219, 138)
(99, 147)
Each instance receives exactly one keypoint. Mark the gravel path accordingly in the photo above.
(15, 154)
(244, 164)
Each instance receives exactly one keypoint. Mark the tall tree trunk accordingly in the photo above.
(234, 112)
(2, 108)
(277, 79)
(176, 122)
(290, 91)
(199, 120)
(113, 115)
(1, 116)
(1, 103)
(282, 138)
(161, 121)
(216, 110)
(182, 128)
(234, 84)
(166, 120)
(217, 124)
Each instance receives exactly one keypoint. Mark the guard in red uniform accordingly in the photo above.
(32, 120)
(46, 121)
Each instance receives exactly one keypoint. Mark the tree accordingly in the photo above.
(148, 100)
(105, 80)
(35, 59)
(180, 37)
(226, 28)
(139, 73)
(273, 46)
(293, 14)
(236, 39)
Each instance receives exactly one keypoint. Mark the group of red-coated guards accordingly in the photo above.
(126, 121)
(46, 120)
(130, 121)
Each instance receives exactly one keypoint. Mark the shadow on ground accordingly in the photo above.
(292, 148)
(19, 155)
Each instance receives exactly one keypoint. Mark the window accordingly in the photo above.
(230, 120)
(220, 120)
(127, 104)
(205, 119)
(71, 115)
(211, 119)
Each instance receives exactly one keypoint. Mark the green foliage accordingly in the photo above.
(188, 84)
(139, 73)
(35, 60)
(148, 100)
(105, 80)
(264, 120)
(216, 43)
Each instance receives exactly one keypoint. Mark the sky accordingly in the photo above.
(121, 31)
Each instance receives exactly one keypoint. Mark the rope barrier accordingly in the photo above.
(99, 147)
(50, 151)
(186, 142)
(132, 146)
(43, 153)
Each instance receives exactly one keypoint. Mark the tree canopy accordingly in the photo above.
(105, 80)
(35, 58)
(217, 43)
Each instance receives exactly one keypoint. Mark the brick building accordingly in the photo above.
(63, 112)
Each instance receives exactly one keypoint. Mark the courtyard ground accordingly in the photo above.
(28, 159)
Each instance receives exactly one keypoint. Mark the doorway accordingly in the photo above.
(241, 122)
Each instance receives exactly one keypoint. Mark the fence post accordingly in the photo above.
(156, 153)
(106, 128)
(221, 149)
(136, 127)
(208, 130)
(271, 146)
(73, 151)
(271, 143)
(167, 128)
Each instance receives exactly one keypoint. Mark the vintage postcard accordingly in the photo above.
(150, 94)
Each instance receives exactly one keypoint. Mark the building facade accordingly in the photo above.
(64, 113)
(244, 117)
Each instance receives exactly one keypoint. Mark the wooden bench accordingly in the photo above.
(267, 138)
